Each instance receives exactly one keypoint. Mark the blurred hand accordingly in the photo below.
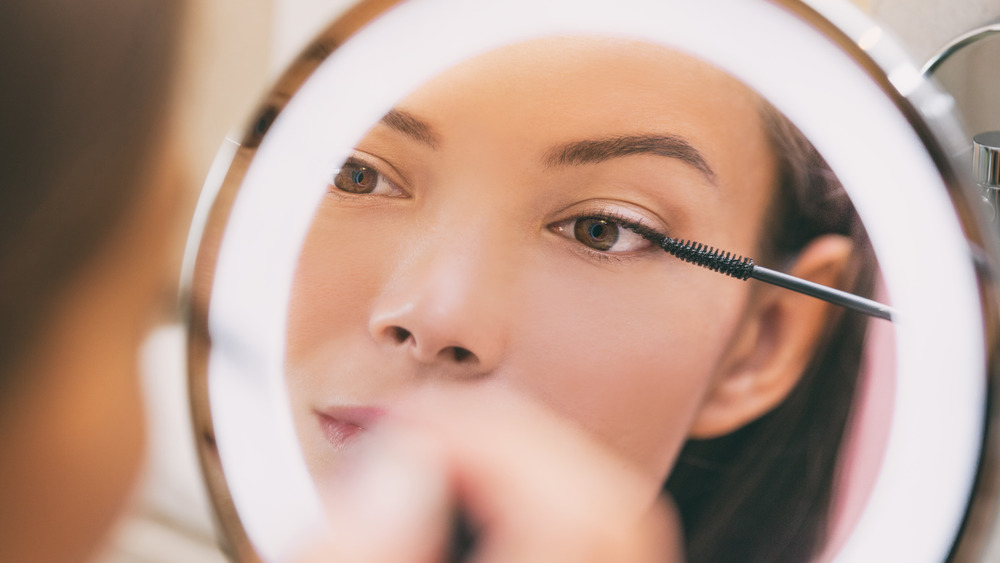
(534, 487)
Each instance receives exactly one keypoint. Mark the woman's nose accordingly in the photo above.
(444, 310)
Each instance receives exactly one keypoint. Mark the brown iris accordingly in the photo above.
(598, 234)
(356, 178)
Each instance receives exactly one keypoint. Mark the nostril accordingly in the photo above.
(462, 354)
(399, 334)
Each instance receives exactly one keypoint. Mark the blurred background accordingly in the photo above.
(232, 49)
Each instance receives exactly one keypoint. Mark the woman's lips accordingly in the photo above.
(342, 425)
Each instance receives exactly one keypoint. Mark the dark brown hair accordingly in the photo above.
(84, 86)
(763, 492)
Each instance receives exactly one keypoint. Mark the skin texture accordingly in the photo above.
(463, 266)
(76, 422)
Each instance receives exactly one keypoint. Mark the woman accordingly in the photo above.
(486, 232)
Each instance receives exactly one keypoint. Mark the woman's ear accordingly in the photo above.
(774, 344)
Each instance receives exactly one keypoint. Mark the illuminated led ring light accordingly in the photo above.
(247, 239)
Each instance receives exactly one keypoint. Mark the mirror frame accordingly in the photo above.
(919, 104)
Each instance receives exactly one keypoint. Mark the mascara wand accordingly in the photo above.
(744, 268)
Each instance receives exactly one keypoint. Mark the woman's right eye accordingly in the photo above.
(356, 177)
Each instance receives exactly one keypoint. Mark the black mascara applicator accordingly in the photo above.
(744, 268)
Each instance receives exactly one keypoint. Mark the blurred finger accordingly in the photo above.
(538, 487)
(391, 503)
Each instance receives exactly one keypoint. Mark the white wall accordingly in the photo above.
(973, 76)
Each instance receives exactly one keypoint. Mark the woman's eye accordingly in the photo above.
(598, 234)
(359, 178)
(605, 235)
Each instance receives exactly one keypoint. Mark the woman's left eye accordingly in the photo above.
(603, 234)
(356, 177)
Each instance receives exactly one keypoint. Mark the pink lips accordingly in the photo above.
(342, 425)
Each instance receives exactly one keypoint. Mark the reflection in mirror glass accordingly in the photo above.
(486, 231)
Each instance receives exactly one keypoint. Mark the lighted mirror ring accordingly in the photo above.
(917, 158)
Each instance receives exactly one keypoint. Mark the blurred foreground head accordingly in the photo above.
(86, 209)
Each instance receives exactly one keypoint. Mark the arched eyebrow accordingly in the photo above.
(576, 153)
(411, 126)
(592, 151)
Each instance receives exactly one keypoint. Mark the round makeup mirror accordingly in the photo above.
(398, 183)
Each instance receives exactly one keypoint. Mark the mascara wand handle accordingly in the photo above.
(835, 296)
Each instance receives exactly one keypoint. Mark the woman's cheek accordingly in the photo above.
(341, 269)
(627, 361)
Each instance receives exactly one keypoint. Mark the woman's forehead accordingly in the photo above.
(563, 74)
(556, 91)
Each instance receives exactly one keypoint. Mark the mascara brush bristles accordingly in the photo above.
(702, 255)
(743, 268)
(709, 257)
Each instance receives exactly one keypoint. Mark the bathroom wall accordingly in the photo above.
(926, 25)
(973, 75)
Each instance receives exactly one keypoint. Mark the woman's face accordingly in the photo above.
(478, 236)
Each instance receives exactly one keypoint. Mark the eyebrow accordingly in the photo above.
(593, 151)
(411, 126)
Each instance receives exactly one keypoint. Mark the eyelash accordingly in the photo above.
(361, 160)
(629, 223)
(635, 225)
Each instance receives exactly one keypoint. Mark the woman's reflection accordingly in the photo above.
(479, 234)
